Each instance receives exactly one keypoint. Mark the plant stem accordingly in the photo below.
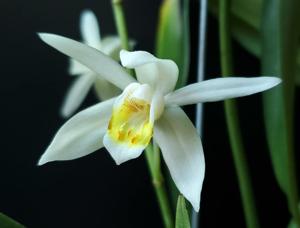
(121, 27)
(120, 23)
(153, 161)
(152, 152)
(231, 113)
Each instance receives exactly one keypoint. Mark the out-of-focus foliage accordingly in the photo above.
(182, 217)
(7, 222)
(246, 26)
(280, 40)
(172, 40)
(268, 29)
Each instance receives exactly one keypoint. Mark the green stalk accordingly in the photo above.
(231, 113)
(120, 23)
(152, 152)
(153, 161)
(121, 26)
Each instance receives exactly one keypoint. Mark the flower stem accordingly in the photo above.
(152, 152)
(231, 113)
(153, 161)
(120, 23)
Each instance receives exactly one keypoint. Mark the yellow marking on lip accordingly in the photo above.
(130, 124)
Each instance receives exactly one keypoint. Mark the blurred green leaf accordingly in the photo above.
(280, 42)
(247, 36)
(183, 76)
(172, 40)
(292, 223)
(245, 26)
(298, 69)
(275, 108)
(250, 39)
(245, 22)
(182, 216)
(7, 222)
(247, 11)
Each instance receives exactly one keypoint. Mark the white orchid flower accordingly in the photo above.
(147, 108)
(110, 45)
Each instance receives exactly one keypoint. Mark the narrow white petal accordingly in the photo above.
(182, 151)
(121, 152)
(76, 68)
(81, 135)
(90, 57)
(220, 89)
(161, 74)
(77, 93)
(90, 30)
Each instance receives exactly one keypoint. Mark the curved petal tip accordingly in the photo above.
(43, 160)
(46, 37)
(120, 152)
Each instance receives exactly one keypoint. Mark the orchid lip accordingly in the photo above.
(130, 123)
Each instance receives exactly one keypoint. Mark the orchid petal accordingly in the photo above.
(81, 135)
(130, 130)
(182, 151)
(157, 106)
(121, 152)
(220, 89)
(89, 28)
(76, 68)
(161, 74)
(90, 57)
(77, 93)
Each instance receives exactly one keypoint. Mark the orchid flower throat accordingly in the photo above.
(131, 123)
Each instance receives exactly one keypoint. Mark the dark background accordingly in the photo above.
(93, 191)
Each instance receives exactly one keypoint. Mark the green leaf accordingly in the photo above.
(245, 19)
(183, 76)
(7, 222)
(292, 224)
(182, 216)
(172, 40)
(246, 30)
(275, 112)
(245, 25)
(247, 11)
(280, 34)
(247, 36)
(297, 79)
(280, 42)
(276, 43)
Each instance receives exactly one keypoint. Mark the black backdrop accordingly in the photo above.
(93, 191)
